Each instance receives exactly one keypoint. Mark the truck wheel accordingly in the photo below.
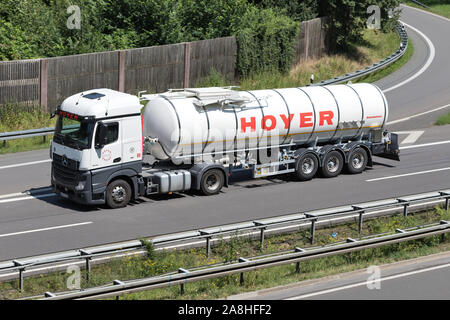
(357, 161)
(333, 164)
(212, 182)
(306, 167)
(118, 194)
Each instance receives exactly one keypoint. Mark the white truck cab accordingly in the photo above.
(98, 138)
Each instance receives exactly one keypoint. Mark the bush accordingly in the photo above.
(265, 41)
(347, 19)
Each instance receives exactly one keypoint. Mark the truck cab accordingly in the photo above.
(97, 146)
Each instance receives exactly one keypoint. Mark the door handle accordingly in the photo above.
(117, 160)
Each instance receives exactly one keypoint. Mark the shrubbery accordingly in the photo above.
(265, 29)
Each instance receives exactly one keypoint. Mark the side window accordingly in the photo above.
(112, 134)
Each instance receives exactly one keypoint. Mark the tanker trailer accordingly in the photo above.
(202, 138)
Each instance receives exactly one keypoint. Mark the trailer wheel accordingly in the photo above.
(357, 161)
(212, 182)
(333, 164)
(118, 194)
(307, 166)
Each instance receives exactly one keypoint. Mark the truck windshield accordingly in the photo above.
(73, 133)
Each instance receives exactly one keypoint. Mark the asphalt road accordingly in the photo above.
(43, 223)
(425, 278)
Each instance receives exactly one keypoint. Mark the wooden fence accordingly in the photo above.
(49, 81)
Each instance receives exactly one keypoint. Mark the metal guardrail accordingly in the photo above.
(347, 77)
(242, 265)
(420, 4)
(43, 132)
(310, 219)
(375, 67)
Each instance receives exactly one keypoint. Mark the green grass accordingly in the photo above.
(443, 120)
(440, 7)
(374, 47)
(18, 118)
(157, 263)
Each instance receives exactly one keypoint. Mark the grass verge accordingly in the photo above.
(443, 120)
(374, 47)
(440, 7)
(18, 118)
(160, 262)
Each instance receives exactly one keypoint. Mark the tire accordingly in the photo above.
(118, 194)
(212, 182)
(357, 161)
(306, 167)
(333, 164)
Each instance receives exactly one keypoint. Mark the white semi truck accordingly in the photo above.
(109, 148)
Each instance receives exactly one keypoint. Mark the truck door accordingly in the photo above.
(110, 153)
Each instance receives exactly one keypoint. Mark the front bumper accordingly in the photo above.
(67, 185)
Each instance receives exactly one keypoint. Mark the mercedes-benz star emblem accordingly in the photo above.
(65, 162)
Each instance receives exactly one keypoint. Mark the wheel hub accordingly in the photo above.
(307, 166)
(333, 164)
(118, 194)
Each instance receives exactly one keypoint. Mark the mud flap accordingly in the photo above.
(389, 149)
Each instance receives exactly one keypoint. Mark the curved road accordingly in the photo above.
(42, 223)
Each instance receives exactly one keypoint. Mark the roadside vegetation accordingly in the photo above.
(374, 46)
(161, 262)
(443, 120)
(265, 31)
(441, 7)
(14, 117)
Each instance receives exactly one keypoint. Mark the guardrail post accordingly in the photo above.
(447, 199)
(360, 220)
(261, 232)
(21, 270)
(118, 282)
(208, 246)
(241, 278)
(208, 241)
(405, 206)
(297, 265)
(88, 264)
(313, 225)
(181, 270)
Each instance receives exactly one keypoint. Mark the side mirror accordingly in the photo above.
(101, 135)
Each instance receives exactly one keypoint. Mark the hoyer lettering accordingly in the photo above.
(304, 120)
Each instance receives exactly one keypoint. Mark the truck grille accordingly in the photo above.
(65, 162)
(65, 175)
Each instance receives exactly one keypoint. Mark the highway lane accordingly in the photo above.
(422, 278)
(243, 201)
(432, 88)
(24, 224)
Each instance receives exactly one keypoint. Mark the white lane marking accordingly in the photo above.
(426, 65)
(401, 275)
(418, 115)
(25, 164)
(45, 229)
(408, 174)
(425, 145)
(47, 195)
(412, 137)
(427, 12)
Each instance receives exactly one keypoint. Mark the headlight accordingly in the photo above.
(80, 185)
